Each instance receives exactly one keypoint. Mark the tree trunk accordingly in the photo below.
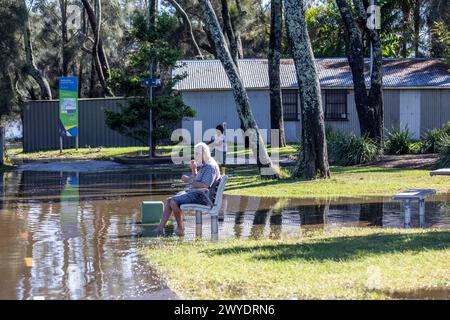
(368, 106)
(313, 159)
(241, 14)
(211, 48)
(406, 27)
(152, 11)
(188, 26)
(64, 38)
(92, 79)
(101, 65)
(375, 96)
(417, 23)
(229, 31)
(239, 92)
(30, 66)
(276, 107)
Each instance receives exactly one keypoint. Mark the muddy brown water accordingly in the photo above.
(76, 235)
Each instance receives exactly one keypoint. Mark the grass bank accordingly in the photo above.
(346, 263)
(106, 153)
(86, 153)
(344, 182)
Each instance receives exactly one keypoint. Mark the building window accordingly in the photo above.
(336, 105)
(290, 105)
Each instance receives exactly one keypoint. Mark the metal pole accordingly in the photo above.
(372, 3)
(76, 143)
(150, 118)
(2, 145)
(60, 144)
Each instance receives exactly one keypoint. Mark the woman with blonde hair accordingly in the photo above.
(205, 172)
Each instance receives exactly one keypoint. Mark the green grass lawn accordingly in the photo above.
(87, 153)
(347, 263)
(104, 153)
(344, 182)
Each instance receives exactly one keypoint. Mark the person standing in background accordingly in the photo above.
(219, 144)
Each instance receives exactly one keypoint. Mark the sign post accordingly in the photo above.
(68, 108)
(150, 83)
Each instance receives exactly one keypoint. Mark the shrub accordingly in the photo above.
(348, 149)
(444, 154)
(434, 138)
(416, 147)
(398, 141)
(446, 127)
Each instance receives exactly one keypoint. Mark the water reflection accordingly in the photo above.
(76, 235)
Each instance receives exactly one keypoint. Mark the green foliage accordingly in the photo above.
(444, 154)
(152, 45)
(347, 149)
(417, 147)
(442, 33)
(12, 17)
(398, 141)
(434, 138)
(326, 30)
(133, 119)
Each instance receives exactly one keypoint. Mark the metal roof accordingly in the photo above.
(333, 73)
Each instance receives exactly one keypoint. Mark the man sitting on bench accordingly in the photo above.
(205, 172)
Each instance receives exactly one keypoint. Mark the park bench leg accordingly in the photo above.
(214, 225)
(198, 223)
(422, 213)
(407, 205)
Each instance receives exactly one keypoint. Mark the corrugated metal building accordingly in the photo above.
(416, 93)
(41, 121)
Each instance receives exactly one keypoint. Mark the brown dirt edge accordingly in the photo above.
(407, 161)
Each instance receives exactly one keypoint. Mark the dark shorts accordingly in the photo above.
(184, 197)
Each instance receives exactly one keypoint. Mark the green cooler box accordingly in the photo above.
(152, 212)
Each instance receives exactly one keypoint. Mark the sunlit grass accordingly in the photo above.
(344, 182)
(88, 153)
(162, 151)
(348, 263)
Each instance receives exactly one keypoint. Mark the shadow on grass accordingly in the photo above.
(442, 293)
(344, 248)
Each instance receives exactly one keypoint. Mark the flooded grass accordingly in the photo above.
(71, 231)
(344, 182)
(345, 263)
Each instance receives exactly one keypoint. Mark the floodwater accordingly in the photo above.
(76, 235)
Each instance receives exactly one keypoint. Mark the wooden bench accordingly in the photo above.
(213, 208)
(414, 195)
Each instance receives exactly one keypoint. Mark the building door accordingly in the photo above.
(410, 111)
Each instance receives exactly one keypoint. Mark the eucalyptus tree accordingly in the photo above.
(98, 53)
(239, 92)
(30, 65)
(313, 157)
(369, 101)
(188, 26)
(276, 107)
